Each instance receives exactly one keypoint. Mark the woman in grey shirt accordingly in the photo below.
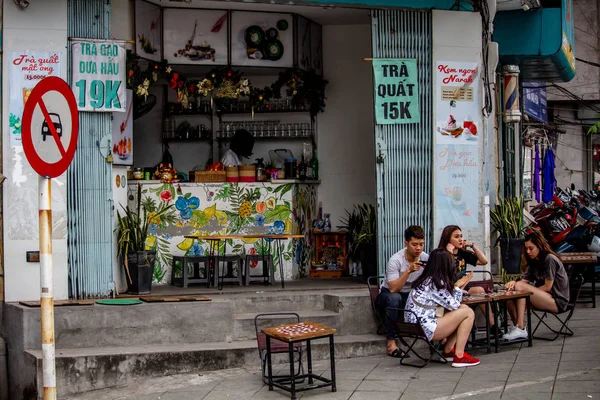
(546, 277)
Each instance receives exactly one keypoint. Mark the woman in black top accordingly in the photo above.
(465, 253)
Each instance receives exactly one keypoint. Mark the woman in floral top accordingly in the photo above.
(437, 287)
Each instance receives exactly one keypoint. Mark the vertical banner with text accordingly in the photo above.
(456, 156)
(396, 91)
(99, 75)
(26, 69)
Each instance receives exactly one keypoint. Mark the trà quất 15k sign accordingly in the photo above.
(99, 75)
(396, 91)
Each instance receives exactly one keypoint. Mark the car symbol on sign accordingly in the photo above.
(57, 125)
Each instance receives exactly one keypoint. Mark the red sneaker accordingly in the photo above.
(448, 356)
(465, 361)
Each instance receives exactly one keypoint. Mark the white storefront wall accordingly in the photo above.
(41, 27)
(345, 144)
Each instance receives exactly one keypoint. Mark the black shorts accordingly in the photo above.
(561, 304)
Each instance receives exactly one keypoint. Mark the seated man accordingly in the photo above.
(402, 270)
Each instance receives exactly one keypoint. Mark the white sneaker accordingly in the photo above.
(515, 333)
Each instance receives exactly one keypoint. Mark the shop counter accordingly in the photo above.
(204, 209)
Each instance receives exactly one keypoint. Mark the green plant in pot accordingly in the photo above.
(132, 233)
(507, 222)
(361, 225)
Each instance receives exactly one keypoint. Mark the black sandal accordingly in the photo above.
(398, 354)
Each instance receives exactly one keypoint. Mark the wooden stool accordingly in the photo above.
(185, 279)
(267, 261)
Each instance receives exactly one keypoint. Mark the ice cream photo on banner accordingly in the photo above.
(452, 131)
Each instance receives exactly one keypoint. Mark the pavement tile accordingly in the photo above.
(347, 385)
(322, 394)
(552, 357)
(528, 376)
(431, 387)
(199, 395)
(391, 385)
(568, 347)
(373, 395)
(535, 366)
(219, 395)
(537, 350)
(584, 375)
(479, 373)
(524, 395)
(575, 396)
(574, 366)
(384, 373)
(530, 387)
(474, 385)
(577, 387)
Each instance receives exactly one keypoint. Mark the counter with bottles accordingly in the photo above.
(280, 206)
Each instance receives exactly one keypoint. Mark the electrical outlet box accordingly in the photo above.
(32, 256)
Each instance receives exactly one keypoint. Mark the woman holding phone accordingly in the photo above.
(437, 286)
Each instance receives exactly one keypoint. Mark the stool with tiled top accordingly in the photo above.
(292, 334)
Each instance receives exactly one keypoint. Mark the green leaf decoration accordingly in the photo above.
(187, 195)
(278, 189)
(223, 193)
(199, 218)
(280, 212)
(269, 189)
(285, 188)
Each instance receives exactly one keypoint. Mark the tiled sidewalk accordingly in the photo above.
(564, 369)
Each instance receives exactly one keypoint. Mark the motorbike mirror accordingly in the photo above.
(572, 186)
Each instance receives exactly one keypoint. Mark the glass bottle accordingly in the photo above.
(327, 224)
(315, 166)
(302, 169)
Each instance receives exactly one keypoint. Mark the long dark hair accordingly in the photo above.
(446, 235)
(440, 269)
(242, 143)
(537, 265)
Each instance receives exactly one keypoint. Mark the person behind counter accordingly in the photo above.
(241, 146)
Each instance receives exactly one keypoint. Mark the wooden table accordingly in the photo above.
(588, 262)
(214, 241)
(294, 333)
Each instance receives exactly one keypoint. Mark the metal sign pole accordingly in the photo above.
(47, 289)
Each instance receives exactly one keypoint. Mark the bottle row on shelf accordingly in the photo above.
(258, 129)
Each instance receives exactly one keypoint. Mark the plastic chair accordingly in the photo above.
(574, 289)
(373, 286)
(277, 346)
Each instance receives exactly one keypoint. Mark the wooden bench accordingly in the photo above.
(587, 261)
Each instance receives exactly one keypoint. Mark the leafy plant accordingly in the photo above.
(132, 230)
(361, 225)
(507, 218)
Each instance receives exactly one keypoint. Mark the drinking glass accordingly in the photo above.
(304, 129)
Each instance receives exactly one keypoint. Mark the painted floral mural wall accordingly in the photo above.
(228, 208)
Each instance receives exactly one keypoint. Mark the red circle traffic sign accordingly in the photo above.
(46, 116)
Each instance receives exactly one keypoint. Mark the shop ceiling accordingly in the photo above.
(324, 15)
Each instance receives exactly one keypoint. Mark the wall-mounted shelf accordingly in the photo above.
(224, 139)
(176, 139)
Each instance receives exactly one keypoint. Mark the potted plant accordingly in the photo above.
(138, 258)
(361, 225)
(507, 222)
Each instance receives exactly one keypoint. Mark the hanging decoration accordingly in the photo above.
(306, 89)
